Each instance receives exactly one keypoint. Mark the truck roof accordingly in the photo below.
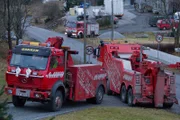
(84, 65)
(35, 50)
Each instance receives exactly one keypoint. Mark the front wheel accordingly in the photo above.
(130, 97)
(123, 94)
(55, 103)
(99, 95)
(18, 101)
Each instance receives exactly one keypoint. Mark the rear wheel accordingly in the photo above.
(164, 28)
(130, 97)
(167, 105)
(55, 103)
(99, 95)
(18, 102)
(123, 94)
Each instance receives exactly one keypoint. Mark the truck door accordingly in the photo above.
(56, 69)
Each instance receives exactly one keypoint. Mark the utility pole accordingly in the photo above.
(85, 31)
(112, 20)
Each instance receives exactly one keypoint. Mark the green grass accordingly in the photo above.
(2, 79)
(115, 113)
(3, 56)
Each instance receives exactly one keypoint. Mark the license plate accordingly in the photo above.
(23, 93)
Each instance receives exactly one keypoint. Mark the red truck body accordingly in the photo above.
(48, 74)
(76, 29)
(137, 81)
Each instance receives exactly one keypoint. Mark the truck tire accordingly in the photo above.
(99, 95)
(18, 102)
(164, 28)
(68, 35)
(123, 94)
(81, 35)
(130, 97)
(55, 103)
(109, 92)
(167, 105)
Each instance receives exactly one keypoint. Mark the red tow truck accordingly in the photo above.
(135, 78)
(45, 72)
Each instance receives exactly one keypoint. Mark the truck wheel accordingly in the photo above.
(68, 35)
(109, 92)
(18, 102)
(167, 105)
(123, 94)
(164, 28)
(130, 97)
(99, 95)
(80, 35)
(56, 103)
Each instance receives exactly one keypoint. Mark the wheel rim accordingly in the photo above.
(100, 95)
(123, 94)
(58, 102)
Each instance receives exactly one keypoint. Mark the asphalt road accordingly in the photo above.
(133, 21)
(36, 111)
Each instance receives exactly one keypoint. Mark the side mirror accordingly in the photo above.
(96, 52)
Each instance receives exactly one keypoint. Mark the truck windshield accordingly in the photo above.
(29, 61)
(71, 24)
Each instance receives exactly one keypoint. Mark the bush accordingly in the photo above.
(52, 10)
(104, 21)
(3, 109)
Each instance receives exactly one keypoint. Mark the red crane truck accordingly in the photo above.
(45, 72)
(135, 78)
(76, 29)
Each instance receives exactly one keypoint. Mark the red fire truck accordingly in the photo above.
(76, 29)
(45, 72)
(135, 78)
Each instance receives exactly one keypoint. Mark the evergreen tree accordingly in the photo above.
(3, 108)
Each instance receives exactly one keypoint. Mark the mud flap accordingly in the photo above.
(159, 90)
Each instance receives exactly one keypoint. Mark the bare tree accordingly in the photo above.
(20, 12)
(2, 29)
(7, 18)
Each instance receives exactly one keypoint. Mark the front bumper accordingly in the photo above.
(27, 93)
(143, 100)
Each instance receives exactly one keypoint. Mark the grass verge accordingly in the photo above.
(3, 56)
(115, 113)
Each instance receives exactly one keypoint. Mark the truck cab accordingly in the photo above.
(45, 72)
